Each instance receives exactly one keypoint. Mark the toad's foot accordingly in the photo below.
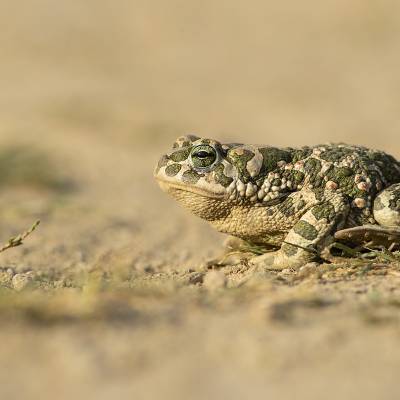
(275, 260)
(236, 252)
(228, 259)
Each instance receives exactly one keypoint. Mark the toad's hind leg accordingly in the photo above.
(311, 234)
(387, 207)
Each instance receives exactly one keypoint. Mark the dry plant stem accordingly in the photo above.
(18, 240)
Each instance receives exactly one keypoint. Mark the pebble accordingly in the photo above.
(22, 281)
(215, 280)
(308, 269)
(6, 276)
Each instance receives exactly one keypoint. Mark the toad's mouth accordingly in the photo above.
(171, 187)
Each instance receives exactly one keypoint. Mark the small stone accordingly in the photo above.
(215, 280)
(59, 284)
(308, 269)
(195, 278)
(6, 276)
(144, 268)
(22, 281)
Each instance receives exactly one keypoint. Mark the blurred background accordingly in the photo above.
(92, 93)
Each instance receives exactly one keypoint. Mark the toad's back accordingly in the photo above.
(358, 172)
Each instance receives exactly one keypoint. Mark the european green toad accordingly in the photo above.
(293, 199)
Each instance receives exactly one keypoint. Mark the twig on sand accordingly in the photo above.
(19, 240)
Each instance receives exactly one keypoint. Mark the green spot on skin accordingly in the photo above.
(191, 177)
(316, 181)
(344, 178)
(162, 162)
(220, 177)
(378, 205)
(394, 200)
(386, 163)
(312, 166)
(180, 155)
(344, 172)
(305, 230)
(336, 153)
(319, 194)
(289, 250)
(394, 204)
(276, 182)
(326, 210)
(271, 157)
(206, 141)
(301, 154)
(300, 204)
(173, 169)
(296, 177)
(240, 162)
(287, 207)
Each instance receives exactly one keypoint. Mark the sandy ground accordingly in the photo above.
(108, 298)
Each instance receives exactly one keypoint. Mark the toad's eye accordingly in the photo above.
(202, 154)
(203, 157)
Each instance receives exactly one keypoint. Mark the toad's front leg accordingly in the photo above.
(312, 233)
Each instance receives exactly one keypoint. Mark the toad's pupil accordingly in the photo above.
(202, 154)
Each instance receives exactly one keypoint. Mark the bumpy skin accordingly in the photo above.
(292, 199)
